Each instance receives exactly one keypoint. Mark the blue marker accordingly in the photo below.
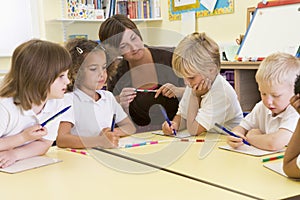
(166, 117)
(54, 116)
(113, 122)
(231, 133)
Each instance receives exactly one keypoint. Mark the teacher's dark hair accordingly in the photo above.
(297, 85)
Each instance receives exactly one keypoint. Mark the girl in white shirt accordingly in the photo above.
(31, 93)
(88, 122)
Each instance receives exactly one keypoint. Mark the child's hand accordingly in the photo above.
(235, 142)
(295, 102)
(202, 88)
(168, 130)
(167, 90)
(110, 139)
(7, 158)
(34, 133)
(126, 96)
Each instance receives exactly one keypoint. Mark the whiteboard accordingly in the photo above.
(19, 23)
(272, 29)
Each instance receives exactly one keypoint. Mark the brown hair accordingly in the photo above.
(35, 66)
(79, 48)
(112, 29)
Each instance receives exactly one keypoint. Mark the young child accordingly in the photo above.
(272, 121)
(291, 162)
(208, 98)
(88, 122)
(31, 93)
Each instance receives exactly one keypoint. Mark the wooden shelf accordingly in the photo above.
(244, 82)
(102, 20)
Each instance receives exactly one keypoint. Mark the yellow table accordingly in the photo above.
(82, 177)
(224, 169)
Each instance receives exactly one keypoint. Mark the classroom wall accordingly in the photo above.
(222, 28)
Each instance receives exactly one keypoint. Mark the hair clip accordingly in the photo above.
(79, 50)
(102, 47)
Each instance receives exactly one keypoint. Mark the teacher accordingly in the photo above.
(133, 66)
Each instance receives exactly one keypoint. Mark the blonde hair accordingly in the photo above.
(278, 68)
(196, 54)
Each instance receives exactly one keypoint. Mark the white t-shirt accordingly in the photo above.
(14, 119)
(88, 116)
(261, 118)
(298, 162)
(219, 105)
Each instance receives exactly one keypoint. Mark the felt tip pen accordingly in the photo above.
(142, 90)
(167, 118)
(272, 158)
(231, 133)
(113, 122)
(78, 151)
(197, 140)
(54, 116)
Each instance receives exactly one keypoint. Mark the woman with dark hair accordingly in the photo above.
(143, 77)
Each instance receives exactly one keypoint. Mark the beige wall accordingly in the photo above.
(223, 28)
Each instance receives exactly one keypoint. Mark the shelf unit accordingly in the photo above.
(244, 82)
(66, 22)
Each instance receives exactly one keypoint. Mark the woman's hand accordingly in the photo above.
(168, 90)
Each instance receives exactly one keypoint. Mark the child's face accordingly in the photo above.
(94, 71)
(193, 80)
(59, 86)
(131, 46)
(276, 97)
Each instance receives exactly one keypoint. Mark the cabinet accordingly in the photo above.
(91, 25)
(244, 82)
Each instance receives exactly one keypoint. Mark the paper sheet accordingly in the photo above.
(29, 163)
(250, 150)
(276, 167)
(180, 134)
(209, 4)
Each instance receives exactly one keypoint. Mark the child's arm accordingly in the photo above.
(35, 148)
(67, 140)
(126, 127)
(29, 134)
(236, 142)
(193, 126)
(271, 141)
(292, 152)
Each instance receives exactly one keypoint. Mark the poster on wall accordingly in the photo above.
(202, 8)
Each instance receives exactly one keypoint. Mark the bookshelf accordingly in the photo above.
(68, 19)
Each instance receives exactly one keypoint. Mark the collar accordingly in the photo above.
(84, 97)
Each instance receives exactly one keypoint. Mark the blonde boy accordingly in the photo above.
(208, 98)
(272, 121)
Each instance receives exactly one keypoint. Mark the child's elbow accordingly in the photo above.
(288, 170)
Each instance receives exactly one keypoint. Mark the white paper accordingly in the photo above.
(250, 150)
(178, 3)
(180, 134)
(29, 163)
(209, 4)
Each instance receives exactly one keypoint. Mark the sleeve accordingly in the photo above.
(68, 116)
(4, 119)
(288, 119)
(251, 120)
(118, 110)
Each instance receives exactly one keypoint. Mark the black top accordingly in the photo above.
(139, 108)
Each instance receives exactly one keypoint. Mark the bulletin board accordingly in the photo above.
(272, 29)
(221, 7)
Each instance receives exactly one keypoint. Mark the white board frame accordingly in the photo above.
(272, 29)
